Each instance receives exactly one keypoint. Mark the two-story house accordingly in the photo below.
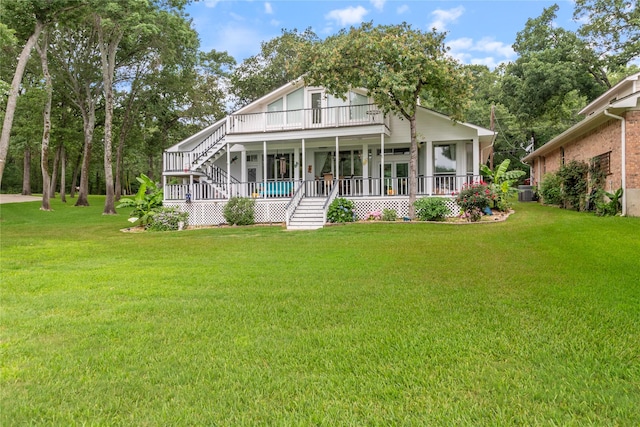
(297, 148)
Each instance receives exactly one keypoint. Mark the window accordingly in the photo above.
(274, 113)
(444, 159)
(469, 148)
(603, 162)
(562, 154)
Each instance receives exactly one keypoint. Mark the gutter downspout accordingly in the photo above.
(623, 143)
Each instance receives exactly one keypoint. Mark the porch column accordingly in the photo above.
(264, 168)
(365, 169)
(243, 172)
(428, 158)
(476, 157)
(228, 170)
(382, 164)
(296, 164)
(335, 175)
(304, 161)
(193, 195)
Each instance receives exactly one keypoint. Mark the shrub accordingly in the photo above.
(239, 211)
(374, 215)
(574, 184)
(474, 198)
(167, 219)
(551, 189)
(389, 215)
(502, 183)
(146, 202)
(341, 210)
(431, 209)
(613, 206)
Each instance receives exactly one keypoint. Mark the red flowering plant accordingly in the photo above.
(474, 199)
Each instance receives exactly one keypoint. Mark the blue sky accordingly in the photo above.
(479, 32)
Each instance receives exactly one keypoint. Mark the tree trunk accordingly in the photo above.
(54, 172)
(46, 131)
(63, 172)
(108, 54)
(13, 94)
(74, 176)
(26, 172)
(89, 121)
(413, 167)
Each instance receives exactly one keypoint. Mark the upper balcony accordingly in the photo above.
(312, 118)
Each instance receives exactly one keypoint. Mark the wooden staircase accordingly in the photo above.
(308, 215)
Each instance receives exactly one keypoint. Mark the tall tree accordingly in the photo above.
(398, 66)
(28, 19)
(46, 131)
(612, 27)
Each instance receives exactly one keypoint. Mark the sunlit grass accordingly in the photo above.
(532, 321)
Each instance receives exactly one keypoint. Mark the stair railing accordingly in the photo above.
(330, 198)
(294, 202)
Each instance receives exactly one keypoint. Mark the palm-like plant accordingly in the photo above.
(502, 181)
(146, 202)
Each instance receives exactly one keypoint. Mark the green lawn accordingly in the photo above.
(532, 321)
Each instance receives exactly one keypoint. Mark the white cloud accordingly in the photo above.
(378, 4)
(268, 9)
(402, 9)
(466, 51)
(211, 3)
(441, 18)
(349, 16)
(237, 17)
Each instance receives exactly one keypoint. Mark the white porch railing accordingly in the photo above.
(314, 118)
(439, 185)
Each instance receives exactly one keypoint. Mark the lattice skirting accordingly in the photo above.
(400, 205)
(210, 212)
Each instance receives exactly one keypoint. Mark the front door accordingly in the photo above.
(396, 178)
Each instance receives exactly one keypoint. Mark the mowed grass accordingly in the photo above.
(532, 321)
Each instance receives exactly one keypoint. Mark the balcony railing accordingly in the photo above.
(313, 118)
(439, 185)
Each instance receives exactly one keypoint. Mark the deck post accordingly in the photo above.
(228, 170)
(264, 169)
(365, 169)
(382, 164)
(243, 172)
(304, 161)
(429, 175)
(335, 175)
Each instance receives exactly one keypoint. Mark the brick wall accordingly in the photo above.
(602, 139)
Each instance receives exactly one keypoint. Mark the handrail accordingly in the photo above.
(330, 198)
(219, 133)
(294, 202)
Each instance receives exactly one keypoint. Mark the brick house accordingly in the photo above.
(609, 135)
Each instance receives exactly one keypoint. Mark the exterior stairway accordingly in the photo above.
(308, 215)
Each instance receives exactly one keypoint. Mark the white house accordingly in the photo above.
(297, 148)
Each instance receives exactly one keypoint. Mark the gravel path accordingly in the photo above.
(17, 198)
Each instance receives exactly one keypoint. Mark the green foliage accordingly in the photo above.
(167, 219)
(240, 211)
(146, 202)
(389, 215)
(474, 198)
(611, 207)
(341, 210)
(431, 209)
(574, 184)
(551, 189)
(502, 182)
